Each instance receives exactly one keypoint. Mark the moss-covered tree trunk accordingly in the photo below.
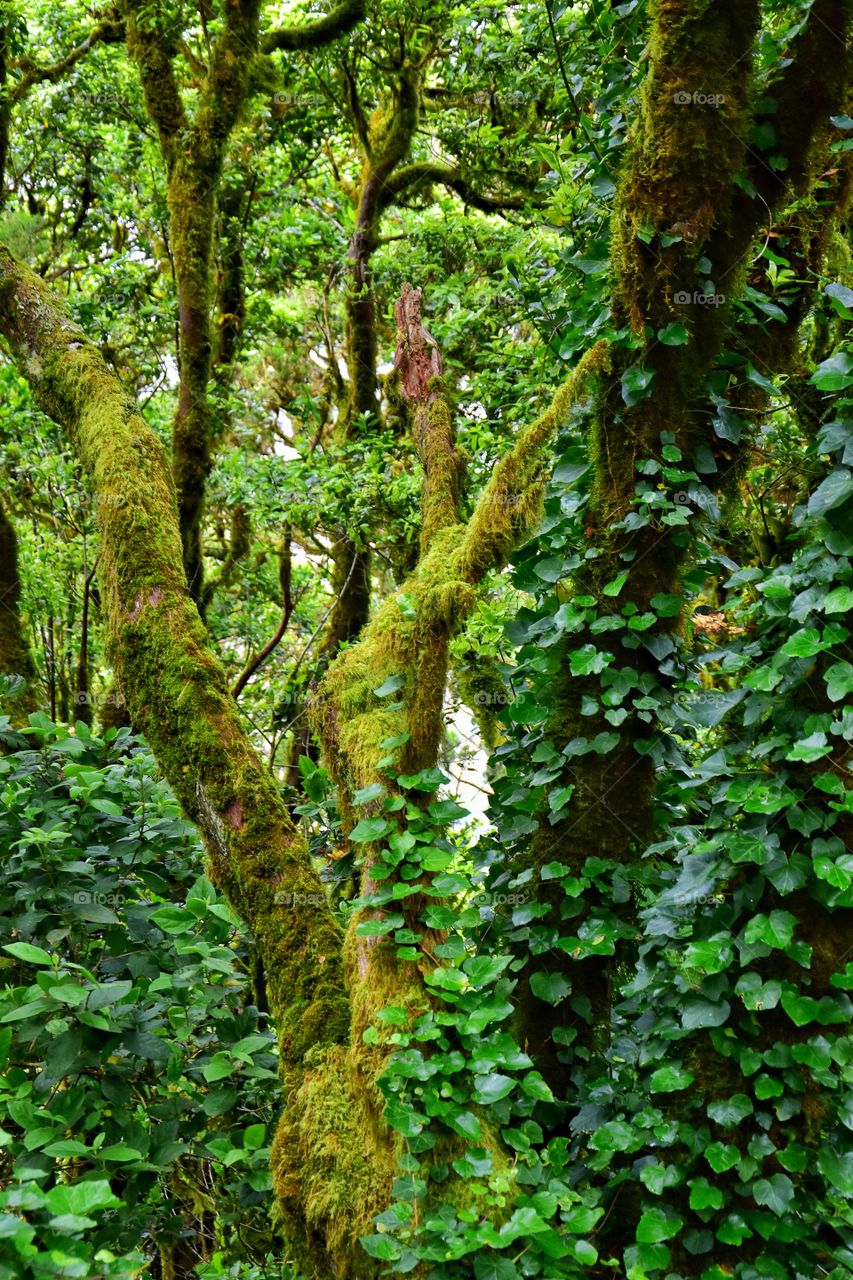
(178, 697)
(193, 152)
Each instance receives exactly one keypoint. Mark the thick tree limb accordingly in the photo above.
(193, 155)
(175, 689)
(313, 35)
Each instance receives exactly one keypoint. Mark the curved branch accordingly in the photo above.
(414, 177)
(108, 31)
(313, 35)
(506, 509)
(256, 662)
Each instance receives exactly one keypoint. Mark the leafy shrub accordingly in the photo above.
(138, 1076)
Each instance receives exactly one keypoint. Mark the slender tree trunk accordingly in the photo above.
(15, 656)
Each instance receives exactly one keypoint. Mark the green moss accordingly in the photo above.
(432, 429)
(332, 1171)
(482, 690)
(175, 689)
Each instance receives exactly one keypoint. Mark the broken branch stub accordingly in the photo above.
(417, 359)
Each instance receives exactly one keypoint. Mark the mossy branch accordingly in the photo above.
(313, 35)
(509, 506)
(153, 56)
(414, 178)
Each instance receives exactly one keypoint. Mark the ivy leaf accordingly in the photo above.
(730, 1111)
(635, 384)
(389, 686)
(493, 1267)
(704, 1013)
(839, 681)
(658, 1224)
(703, 1195)
(491, 1088)
(837, 1168)
(834, 490)
(674, 335)
(551, 987)
(370, 829)
(775, 930)
(383, 1247)
(777, 1193)
(839, 600)
(833, 374)
(669, 1079)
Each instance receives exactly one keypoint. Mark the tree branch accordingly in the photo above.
(414, 177)
(163, 101)
(313, 35)
(510, 504)
(255, 663)
(175, 689)
(108, 31)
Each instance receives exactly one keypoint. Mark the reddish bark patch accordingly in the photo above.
(154, 598)
(234, 814)
(417, 359)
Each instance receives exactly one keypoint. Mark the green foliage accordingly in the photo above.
(139, 1080)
